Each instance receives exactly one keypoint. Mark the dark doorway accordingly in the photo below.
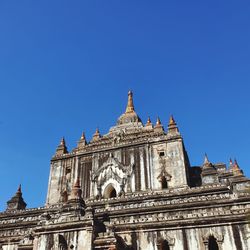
(113, 193)
(165, 245)
(164, 183)
(110, 192)
(212, 243)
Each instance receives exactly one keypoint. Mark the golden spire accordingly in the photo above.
(172, 127)
(230, 164)
(236, 165)
(82, 136)
(130, 106)
(82, 142)
(61, 149)
(62, 143)
(236, 169)
(96, 135)
(171, 121)
(19, 190)
(158, 121)
(148, 121)
(158, 126)
(206, 161)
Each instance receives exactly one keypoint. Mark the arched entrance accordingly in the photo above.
(212, 243)
(164, 183)
(165, 245)
(109, 192)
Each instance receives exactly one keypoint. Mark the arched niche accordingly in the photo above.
(62, 242)
(164, 178)
(166, 243)
(164, 183)
(213, 241)
(109, 191)
(64, 196)
(111, 171)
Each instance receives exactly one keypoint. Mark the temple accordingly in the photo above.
(133, 188)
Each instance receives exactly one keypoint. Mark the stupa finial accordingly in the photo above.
(130, 105)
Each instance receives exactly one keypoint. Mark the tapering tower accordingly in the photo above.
(131, 157)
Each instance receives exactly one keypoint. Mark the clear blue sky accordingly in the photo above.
(66, 67)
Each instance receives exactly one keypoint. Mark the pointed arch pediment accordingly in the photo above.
(170, 241)
(218, 237)
(112, 167)
(164, 174)
(112, 171)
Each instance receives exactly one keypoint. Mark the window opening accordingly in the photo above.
(165, 245)
(212, 243)
(110, 192)
(164, 183)
(161, 154)
(113, 193)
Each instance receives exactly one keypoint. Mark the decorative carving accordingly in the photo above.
(219, 239)
(112, 169)
(170, 241)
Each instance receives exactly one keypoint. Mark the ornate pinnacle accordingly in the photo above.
(96, 135)
(148, 121)
(19, 190)
(16, 202)
(82, 142)
(130, 106)
(62, 143)
(172, 127)
(129, 116)
(61, 149)
(77, 183)
(236, 169)
(171, 121)
(158, 121)
(158, 126)
(236, 165)
(82, 136)
(206, 161)
(230, 164)
(76, 192)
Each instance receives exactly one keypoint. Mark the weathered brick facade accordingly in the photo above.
(133, 188)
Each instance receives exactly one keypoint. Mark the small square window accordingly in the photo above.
(161, 153)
